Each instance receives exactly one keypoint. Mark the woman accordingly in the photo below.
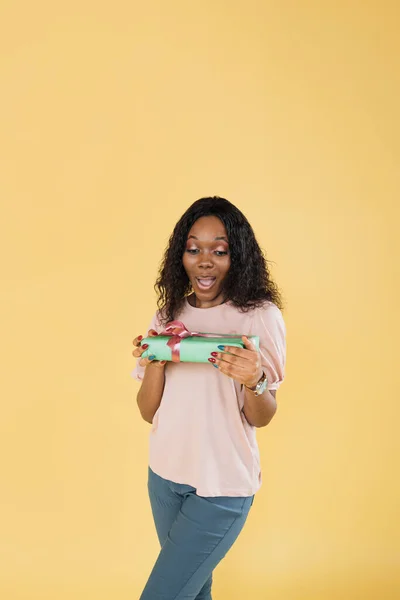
(204, 467)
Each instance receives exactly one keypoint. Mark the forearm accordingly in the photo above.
(151, 391)
(259, 410)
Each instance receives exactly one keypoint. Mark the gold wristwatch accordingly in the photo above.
(260, 387)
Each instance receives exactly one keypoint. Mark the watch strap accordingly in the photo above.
(254, 387)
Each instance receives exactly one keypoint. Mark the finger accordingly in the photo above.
(137, 340)
(229, 362)
(140, 347)
(145, 362)
(236, 351)
(242, 360)
(234, 372)
(230, 359)
(139, 351)
(239, 375)
(152, 333)
(249, 344)
(232, 363)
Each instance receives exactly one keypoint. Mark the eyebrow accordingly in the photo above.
(217, 238)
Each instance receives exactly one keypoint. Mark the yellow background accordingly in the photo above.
(114, 117)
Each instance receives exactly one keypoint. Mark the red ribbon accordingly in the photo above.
(177, 331)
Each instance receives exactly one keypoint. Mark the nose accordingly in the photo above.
(206, 261)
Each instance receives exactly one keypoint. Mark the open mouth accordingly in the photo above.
(205, 283)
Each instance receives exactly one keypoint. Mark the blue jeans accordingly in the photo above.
(195, 532)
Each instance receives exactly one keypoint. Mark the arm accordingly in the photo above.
(247, 365)
(151, 373)
(150, 393)
(259, 410)
(270, 326)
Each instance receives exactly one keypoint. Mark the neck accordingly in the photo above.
(195, 303)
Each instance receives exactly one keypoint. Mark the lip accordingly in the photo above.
(208, 287)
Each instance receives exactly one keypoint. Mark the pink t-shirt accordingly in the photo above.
(200, 435)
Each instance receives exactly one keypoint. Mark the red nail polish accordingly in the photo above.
(140, 338)
(214, 353)
(212, 360)
(145, 346)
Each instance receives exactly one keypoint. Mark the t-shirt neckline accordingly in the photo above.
(209, 308)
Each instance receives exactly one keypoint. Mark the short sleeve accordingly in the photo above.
(269, 325)
(138, 371)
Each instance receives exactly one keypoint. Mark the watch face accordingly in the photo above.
(262, 386)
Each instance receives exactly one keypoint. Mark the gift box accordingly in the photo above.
(177, 344)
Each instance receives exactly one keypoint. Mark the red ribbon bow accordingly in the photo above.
(177, 331)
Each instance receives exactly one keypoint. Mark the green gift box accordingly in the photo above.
(177, 344)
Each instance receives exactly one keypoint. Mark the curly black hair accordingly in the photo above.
(248, 283)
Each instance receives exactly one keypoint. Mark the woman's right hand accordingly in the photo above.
(144, 362)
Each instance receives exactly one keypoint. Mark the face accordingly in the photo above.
(206, 260)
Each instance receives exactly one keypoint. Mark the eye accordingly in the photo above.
(195, 250)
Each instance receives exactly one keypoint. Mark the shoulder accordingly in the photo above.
(159, 320)
(269, 316)
(268, 310)
(156, 321)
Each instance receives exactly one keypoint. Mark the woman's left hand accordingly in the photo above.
(242, 364)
